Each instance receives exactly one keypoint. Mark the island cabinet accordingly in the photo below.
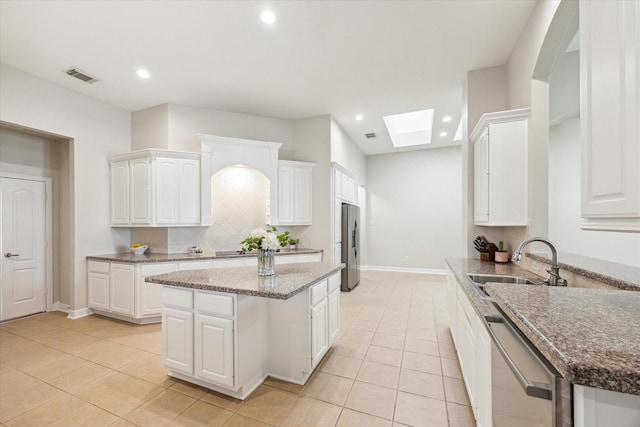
(500, 168)
(155, 188)
(230, 343)
(609, 114)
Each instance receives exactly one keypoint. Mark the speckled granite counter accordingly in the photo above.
(591, 336)
(461, 266)
(619, 275)
(129, 257)
(289, 280)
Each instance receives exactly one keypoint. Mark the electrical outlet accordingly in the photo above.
(535, 265)
(372, 223)
(406, 258)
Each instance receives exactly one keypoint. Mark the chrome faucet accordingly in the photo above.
(554, 271)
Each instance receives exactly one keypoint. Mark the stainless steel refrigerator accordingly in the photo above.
(350, 246)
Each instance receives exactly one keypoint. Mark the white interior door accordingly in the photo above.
(23, 247)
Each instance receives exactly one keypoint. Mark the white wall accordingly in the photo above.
(313, 137)
(485, 91)
(97, 131)
(185, 122)
(346, 153)
(415, 200)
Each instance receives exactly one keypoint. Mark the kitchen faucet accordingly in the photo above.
(554, 271)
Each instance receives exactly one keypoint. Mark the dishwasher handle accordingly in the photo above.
(531, 388)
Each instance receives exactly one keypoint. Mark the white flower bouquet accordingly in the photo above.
(265, 239)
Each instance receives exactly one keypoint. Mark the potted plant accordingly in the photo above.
(293, 243)
(501, 255)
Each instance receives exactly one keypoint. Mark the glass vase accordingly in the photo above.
(265, 262)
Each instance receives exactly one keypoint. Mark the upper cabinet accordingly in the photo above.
(610, 114)
(500, 168)
(295, 192)
(155, 188)
(345, 186)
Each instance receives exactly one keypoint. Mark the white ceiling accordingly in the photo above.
(341, 58)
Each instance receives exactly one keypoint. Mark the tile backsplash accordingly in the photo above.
(239, 203)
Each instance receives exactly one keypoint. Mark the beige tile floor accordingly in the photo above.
(394, 364)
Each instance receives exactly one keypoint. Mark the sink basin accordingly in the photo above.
(496, 278)
(478, 281)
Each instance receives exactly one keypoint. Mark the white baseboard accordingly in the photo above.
(77, 314)
(405, 269)
(58, 306)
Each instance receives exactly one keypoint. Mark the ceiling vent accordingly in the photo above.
(370, 135)
(80, 75)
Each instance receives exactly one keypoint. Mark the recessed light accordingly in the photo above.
(359, 117)
(446, 119)
(443, 134)
(268, 17)
(143, 73)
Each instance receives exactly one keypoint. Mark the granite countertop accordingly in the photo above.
(591, 336)
(619, 275)
(129, 257)
(289, 280)
(461, 266)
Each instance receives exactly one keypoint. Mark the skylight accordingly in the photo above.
(410, 129)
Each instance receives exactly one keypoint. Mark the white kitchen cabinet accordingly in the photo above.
(483, 377)
(122, 289)
(337, 183)
(178, 191)
(98, 283)
(500, 168)
(155, 188)
(595, 407)
(333, 308)
(319, 332)
(609, 114)
(177, 340)
(337, 221)
(295, 192)
(473, 346)
(213, 349)
(149, 295)
(120, 197)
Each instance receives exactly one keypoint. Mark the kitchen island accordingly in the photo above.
(228, 329)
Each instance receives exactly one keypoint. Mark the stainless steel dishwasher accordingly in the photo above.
(526, 391)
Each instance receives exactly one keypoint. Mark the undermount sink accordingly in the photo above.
(479, 280)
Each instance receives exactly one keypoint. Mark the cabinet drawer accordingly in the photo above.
(99, 267)
(194, 265)
(153, 269)
(214, 304)
(318, 292)
(177, 298)
(230, 262)
(334, 282)
(309, 258)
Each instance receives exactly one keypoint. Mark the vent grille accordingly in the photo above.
(370, 135)
(80, 75)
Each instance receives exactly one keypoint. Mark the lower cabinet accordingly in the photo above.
(177, 340)
(473, 346)
(213, 347)
(118, 289)
(230, 343)
(319, 332)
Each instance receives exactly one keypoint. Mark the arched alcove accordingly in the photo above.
(240, 202)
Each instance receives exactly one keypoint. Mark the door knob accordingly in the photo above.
(9, 255)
